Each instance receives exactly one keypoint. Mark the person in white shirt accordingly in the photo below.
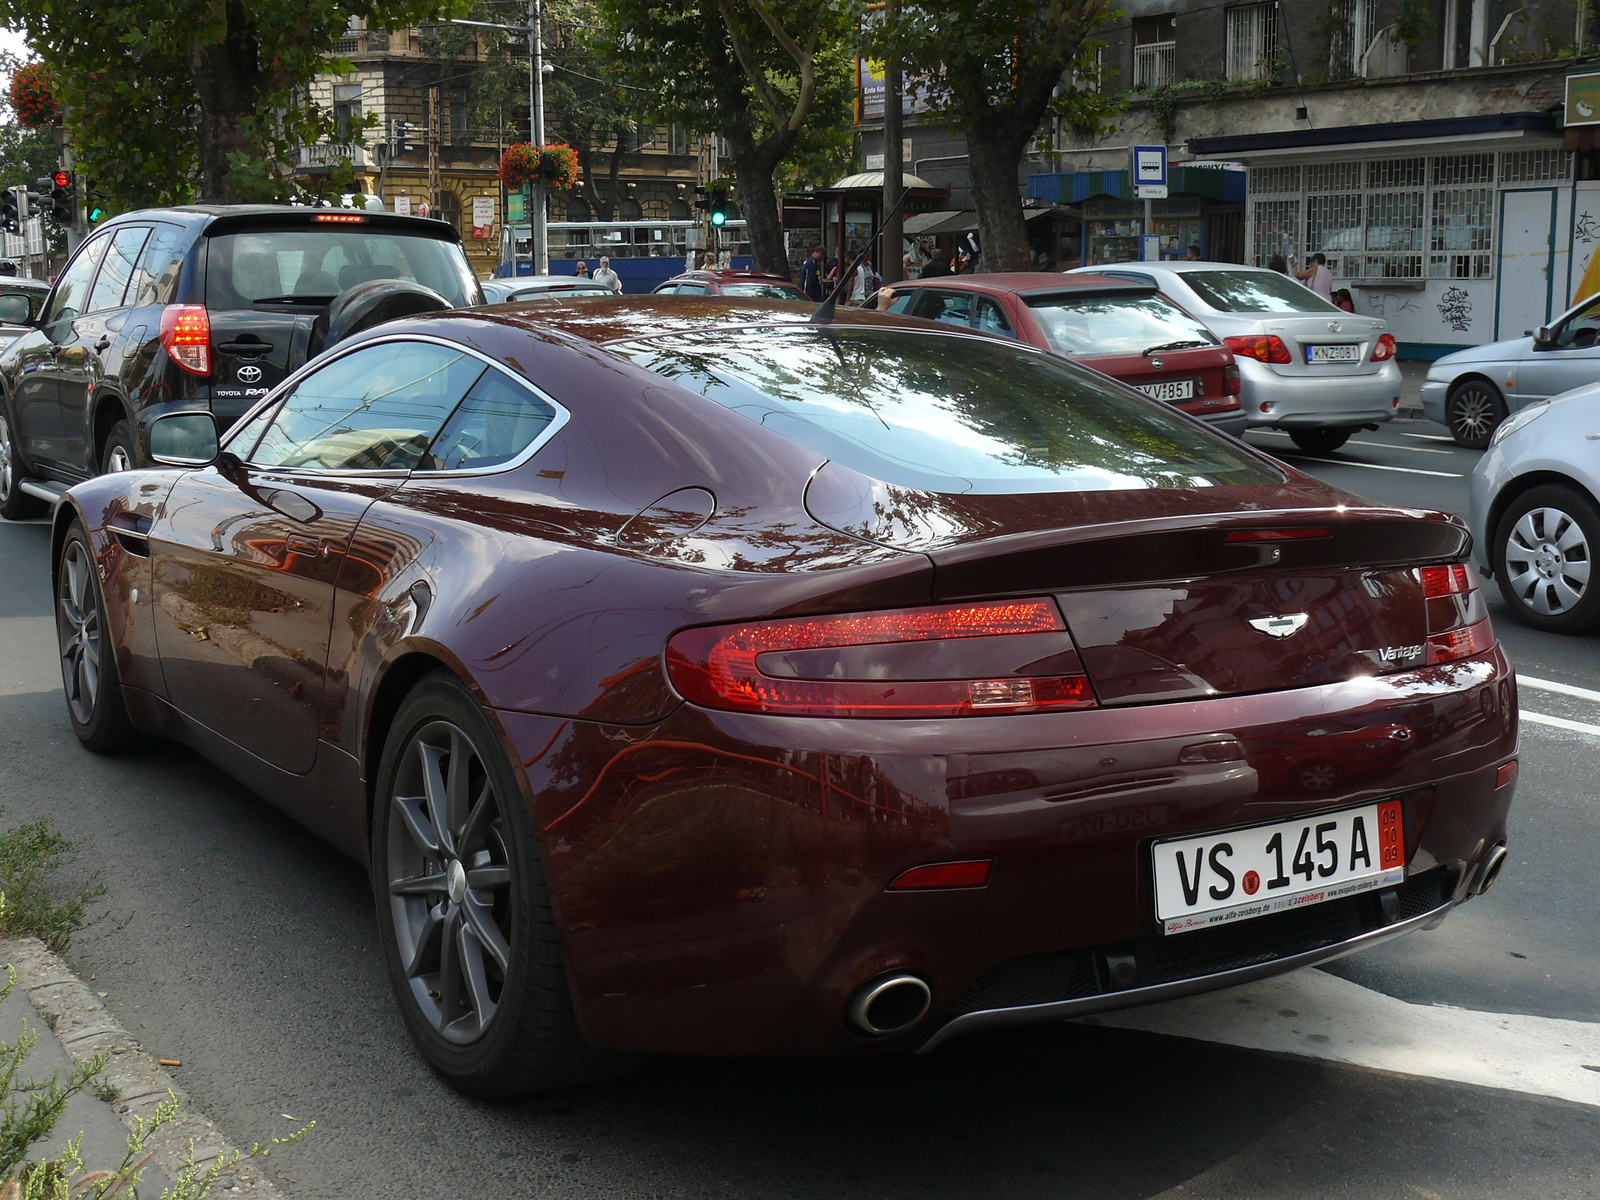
(1317, 277)
(606, 277)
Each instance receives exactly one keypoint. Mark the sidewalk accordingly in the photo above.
(74, 1026)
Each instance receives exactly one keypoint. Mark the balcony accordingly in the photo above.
(1154, 64)
(325, 155)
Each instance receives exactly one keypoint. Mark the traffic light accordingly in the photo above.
(10, 213)
(702, 198)
(719, 207)
(402, 138)
(94, 204)
(63, 197)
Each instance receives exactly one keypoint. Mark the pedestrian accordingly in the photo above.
(1194, 254)
(1279, 264)
(710, 263)
(935, 267)
(1341, 299)
(606, 277)
(1317, 277)
(862, 282)
(811, 275)
(582, 269)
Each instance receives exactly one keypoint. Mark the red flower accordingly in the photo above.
(556, 165)
(31, 96)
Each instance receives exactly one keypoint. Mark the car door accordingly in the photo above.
(1569, 359)
(42, 358)
(97, 331)
(991, 317)
(938, 304)
(245, 557)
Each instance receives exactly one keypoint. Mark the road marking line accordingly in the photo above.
(1426, 437)
(1350, 462)
(1561, 723)
(1317, 1015)
(1377, 445)
(1550, 685)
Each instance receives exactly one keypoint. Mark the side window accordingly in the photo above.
(499, 419)
(117, 268)
(693, 289)
(155, 279)
(72, 289)
(953, 308)
(902, 302)
(1579, 333)
(378, 408)
(992, 317)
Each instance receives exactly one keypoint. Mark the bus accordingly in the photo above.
(643, 254)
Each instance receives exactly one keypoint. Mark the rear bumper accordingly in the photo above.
(720, 878)
(1231, 422)
(1317, 400)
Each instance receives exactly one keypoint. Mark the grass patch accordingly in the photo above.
(31, 858)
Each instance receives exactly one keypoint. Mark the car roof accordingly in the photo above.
(1185, 267)
(221, 218)
(24, 284)
(721, 275)
(1034, 283)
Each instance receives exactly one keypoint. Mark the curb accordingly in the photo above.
(84, 1028)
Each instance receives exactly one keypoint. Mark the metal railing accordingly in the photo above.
(1154, 64)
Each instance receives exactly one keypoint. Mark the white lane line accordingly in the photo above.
(1317, 1015)
(1377, 445)
(1350, 462)
(1426, 437)
(1561, 723)
(1550, 685)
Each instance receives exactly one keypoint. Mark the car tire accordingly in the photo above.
(89, 675)
(1544, 550)
(473, 950)
(15, 504)
(1473, 410)
(121, 451)
(1323, 440)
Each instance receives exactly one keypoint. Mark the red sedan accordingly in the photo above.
(695, 677)
(757, 284)
(1126, 330)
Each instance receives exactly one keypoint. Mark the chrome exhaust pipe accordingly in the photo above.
(888, 1005)
(1490, 871)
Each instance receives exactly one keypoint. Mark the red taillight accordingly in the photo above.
(340, 218)
(186, 334)
(1264, 347)
(1458, 621)
(955, 660)
(1384, 349)
(1279, 535)
(943, 875)
(1506, 773)
(1230, 379)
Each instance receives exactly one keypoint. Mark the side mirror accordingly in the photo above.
(1543, 335)
(184, 439)
(15, 310)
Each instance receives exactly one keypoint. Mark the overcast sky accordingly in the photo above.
(13, 42)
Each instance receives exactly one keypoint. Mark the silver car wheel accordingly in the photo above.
(7, 471)
(118, 460)
(1547, 561)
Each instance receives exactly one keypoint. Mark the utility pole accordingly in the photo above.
(893, 253)
(433, 152)
(541, 246)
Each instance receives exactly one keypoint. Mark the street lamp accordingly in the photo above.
(533, 31)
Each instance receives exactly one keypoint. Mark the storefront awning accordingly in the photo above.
(1214, 183)
(1443, 128)
(931, 224)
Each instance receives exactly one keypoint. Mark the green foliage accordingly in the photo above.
(1414, 22)
(30, 858)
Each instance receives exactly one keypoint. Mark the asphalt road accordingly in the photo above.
(241, 946)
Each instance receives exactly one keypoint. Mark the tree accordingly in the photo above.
(742, 69)
(997, 69)
(168, 99)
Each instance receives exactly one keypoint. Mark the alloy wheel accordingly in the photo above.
(7, 470)
(78, 630)
(1474, 413)
(449, 881)
(1547, 561)
(118, 460)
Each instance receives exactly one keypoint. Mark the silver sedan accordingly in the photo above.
(1472, 391)
(1534, 514)
(1306, 367)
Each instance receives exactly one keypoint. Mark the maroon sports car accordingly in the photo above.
(699, 678)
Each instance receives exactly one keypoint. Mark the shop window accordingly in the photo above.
(1275, 229)
(1333, 226)
(1461, 233)
(1274, 181)
(1252, 41)
(1154, 50)
(1535, 166)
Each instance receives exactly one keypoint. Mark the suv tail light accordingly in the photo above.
(1458, 621)
(1384, 349)
(1264, 347)
(953, 660)
(1230, 379)
(186, 334)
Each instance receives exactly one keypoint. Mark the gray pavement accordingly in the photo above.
(248, 950)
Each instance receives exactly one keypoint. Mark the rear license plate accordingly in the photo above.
(1343, 352)
(1222, 877)
(1169, 389)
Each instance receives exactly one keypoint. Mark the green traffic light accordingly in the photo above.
(719, 218)
(96, 213)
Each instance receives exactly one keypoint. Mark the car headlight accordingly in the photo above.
(1523, 416)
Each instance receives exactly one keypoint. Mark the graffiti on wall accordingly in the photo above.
(1455, 306)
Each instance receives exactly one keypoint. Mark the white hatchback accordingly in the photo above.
(1306, 367)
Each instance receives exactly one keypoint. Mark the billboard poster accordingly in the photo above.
(483, 208)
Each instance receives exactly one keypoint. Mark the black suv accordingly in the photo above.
(199, 307)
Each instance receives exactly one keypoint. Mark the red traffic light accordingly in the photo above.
(61, 179)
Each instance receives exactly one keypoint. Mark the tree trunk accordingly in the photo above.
(230, 84)
(993, 152)
(758, 204)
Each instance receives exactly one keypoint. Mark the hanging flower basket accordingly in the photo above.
(31, 96)
(556, 165)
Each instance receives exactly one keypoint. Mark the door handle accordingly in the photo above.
(252, 347)
(103, 342)
(305, 547)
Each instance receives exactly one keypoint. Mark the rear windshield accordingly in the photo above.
(767, 291)
(947, 413)
(1092, 325)
(1255, 292)
(311, 266)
